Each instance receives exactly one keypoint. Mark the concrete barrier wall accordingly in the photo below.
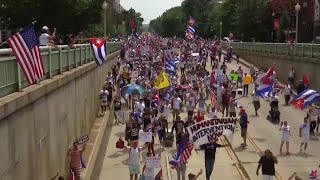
(38, 125)
(283, 64)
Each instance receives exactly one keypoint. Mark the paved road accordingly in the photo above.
(262, 135)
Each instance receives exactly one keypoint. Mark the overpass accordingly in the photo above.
(304, 57)
(39, 122)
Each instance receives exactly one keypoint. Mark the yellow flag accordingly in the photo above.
(162, 81)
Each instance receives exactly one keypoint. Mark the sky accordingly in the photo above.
(150, 9)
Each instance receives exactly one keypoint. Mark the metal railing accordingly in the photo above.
(300, 49)
(56, 60)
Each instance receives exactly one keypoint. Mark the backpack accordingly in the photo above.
(120, 143)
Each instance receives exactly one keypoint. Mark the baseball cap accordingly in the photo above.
(45, 28)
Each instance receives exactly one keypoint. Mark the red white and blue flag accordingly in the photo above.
(265, 83)
(190, 31)
(99, 48)
(183, 154)
(305, 99)
(25, 47)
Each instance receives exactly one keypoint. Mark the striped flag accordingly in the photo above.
(183, 154)
(25, 47)
(99, 48)
(191, 21)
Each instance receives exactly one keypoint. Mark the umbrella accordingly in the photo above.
(133, 89)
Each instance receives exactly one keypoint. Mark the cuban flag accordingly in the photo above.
(305, 99)
(268, 77)
(170, 66)
(189, 35)
(264, 91)
(99, 48)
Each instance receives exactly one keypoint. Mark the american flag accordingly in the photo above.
(183, 154)
(25, 46)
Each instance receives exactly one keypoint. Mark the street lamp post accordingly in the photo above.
(297, 8)
(220, 29)
(105, 7)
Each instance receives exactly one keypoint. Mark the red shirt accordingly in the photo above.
(199, 118)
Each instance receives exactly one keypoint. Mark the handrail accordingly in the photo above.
(308, 50)
(56, 60)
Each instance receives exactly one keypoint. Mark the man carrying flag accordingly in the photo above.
(99, 48)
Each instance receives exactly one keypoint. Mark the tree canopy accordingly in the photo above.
(66, 16)
(245, 19)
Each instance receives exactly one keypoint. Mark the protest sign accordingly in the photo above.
(145, 136)
(209, 130)
(123, 116)
(82, 140)
(134, 74)
(195, 54)
(219, 76)
(233, 76)
(153, 162)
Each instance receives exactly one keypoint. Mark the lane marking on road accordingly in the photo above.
(255, 146)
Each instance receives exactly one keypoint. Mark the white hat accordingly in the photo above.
(45, 28)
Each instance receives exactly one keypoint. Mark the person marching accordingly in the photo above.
(285, 135)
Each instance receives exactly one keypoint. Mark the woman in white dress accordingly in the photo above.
(285, 135)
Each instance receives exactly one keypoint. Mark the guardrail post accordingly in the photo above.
(86, 59)
(312, 50)
(49, 63)
(276, 49)
(60, 61)
(68, 58)
(19, 77)
(302, 50)
(294, 49)
(80, 55)
(75, 58)
(288, 47)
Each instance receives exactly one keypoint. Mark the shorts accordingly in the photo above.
(133, 138)
(162, 135)
(305, 138)
(134, 169)
(103, 103)
(76, 171)
(243, 132)
(201, 109)
(267, 177)
(284, 138)
(233, 114)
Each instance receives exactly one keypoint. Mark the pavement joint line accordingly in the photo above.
(255, 146)
(168, 168)
(95, 130)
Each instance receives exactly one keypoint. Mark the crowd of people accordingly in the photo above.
(147, 81)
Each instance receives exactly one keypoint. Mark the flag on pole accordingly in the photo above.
(99, 48)
(162, 81)
(183, 154)
(25, 47)
(305, 99)
(170, 66)
(191, 21)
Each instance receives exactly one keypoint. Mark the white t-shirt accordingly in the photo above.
(139, 106)
(305, 129)
(166, 109)
(176, 103)
(104, 95)
(43, 39)
(134, 156)
(213, 114)
(285, 132)
(286, 90)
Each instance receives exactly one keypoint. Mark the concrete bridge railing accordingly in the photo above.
(299, 49)
(55, 61)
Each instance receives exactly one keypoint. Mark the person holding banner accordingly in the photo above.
(76, 159)
(210, 156)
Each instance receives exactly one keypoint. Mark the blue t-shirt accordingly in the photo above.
(244, 120)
